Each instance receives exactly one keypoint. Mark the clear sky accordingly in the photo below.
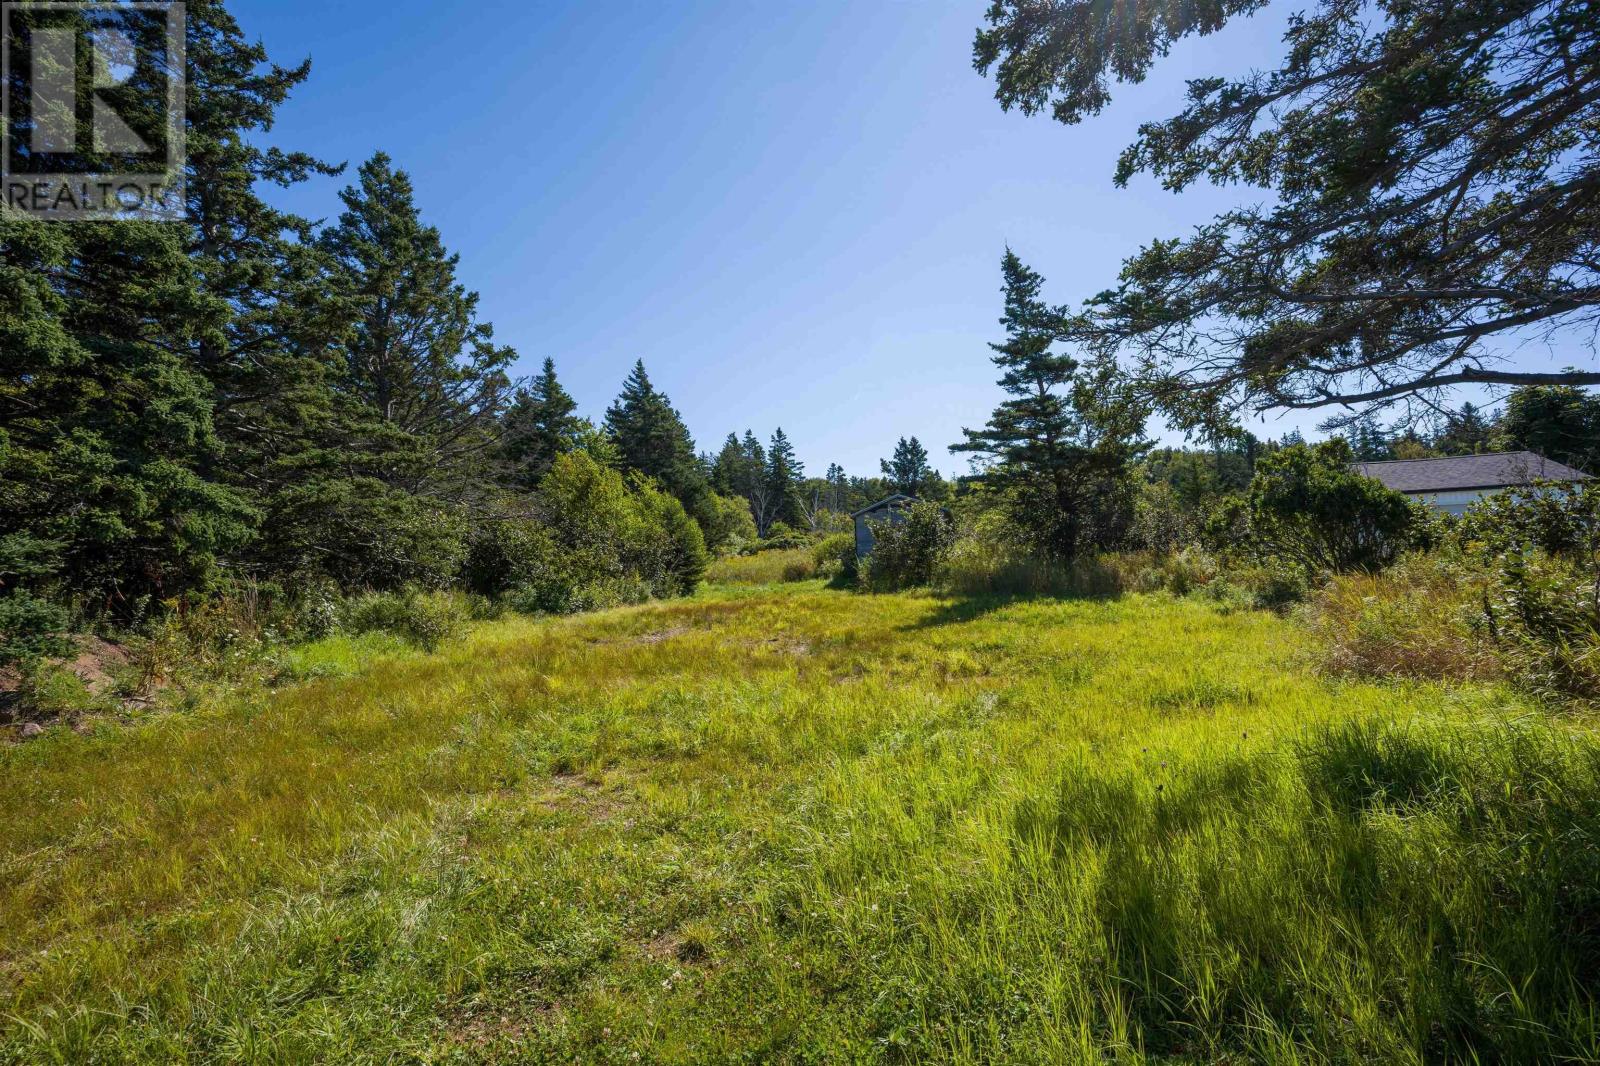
(792, 210)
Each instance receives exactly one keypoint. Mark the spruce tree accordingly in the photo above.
(783, 476)
(426, 372)
(1059, 450)
(908, 472)
(1465, 432)
(105, 422)
(1558, 422)
(652, 439)
(539, 426)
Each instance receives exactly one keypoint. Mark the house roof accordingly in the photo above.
(1496, 470)
(896, 500)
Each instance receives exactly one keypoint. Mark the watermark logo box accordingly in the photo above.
(94, 109)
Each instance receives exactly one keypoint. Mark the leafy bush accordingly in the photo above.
(507, 553)
(1546, 618)
(1553, 519)
(729, 528)
(782, 537)
(363, 534)
(426, 619)
(835, 554)
(909, 551)
(1308, 507)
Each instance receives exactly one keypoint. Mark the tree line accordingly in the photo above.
(251, 396)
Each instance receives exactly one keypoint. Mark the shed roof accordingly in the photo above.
(897, 500)
(1495, 470)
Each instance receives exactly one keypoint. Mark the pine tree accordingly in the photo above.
(908, 472)
(652, 439)
(539, 426)
(837, 498)
(783, 476)
(1466, 432)
(105, 422)
(1369, 442)
(1558, 422)
(422, 367)
(1059, 451)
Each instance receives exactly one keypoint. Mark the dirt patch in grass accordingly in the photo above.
(595, 800)
(485, 1026)
(657, 636)
(674, 947)
(783, 645)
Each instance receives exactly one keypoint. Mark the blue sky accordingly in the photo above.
(792, 210)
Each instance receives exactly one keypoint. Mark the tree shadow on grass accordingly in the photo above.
(961, 609)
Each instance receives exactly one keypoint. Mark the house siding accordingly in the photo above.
(1453, 503)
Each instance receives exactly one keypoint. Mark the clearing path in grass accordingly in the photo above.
(795, 824)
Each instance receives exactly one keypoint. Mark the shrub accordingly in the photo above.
(669, 550)
(364, 535)
(729, 528)
(1546, 619)
(1308, 507)
(426, 619)
(908, 552)
(1548, 518)
(507, 553)
(835, 554)
(31, 629)
(782, 537)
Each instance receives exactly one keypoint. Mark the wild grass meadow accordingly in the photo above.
(787, 823)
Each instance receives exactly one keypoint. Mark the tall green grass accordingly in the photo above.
(797, 825)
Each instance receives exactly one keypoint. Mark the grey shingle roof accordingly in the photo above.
(1493, 471)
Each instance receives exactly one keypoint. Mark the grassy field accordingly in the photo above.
(799, 825)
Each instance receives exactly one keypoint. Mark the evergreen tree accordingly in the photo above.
(1369, 442)
(1060, 450)
(652, 439)
(908, 471)
(1432, 179)
(1466, 432)
(837, 497)
(272, 356)
(783, 476)
(104, 424)
(1558, 422)
(539, 426)
(425, 371)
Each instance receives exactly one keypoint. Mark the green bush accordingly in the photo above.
(1308, 507)
(729, 528)
(426, 619)
(31, 629)
(507, 553)
(835, 554)
(1553, 519)
(908, 552)
(1546, 619)
(782, 537)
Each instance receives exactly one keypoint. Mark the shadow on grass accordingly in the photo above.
(959, 609)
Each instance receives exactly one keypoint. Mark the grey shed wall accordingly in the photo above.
(864, 537)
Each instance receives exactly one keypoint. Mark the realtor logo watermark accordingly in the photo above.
(94, 109)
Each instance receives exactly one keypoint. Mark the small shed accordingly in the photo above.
(889, 509)
(1453, 483)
